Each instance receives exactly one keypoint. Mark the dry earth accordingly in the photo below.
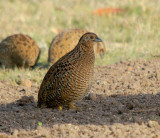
(123, 102)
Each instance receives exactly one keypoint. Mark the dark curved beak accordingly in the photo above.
(97, 39)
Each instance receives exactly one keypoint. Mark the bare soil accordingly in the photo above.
(124, 101)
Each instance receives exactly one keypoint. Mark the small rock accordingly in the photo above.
(129, 68)
(138, 120)
(15, 109)
(114, 95)
(22, 90)
(129, 106)
(143, 68)
(97, 82)
(27, 83)
(129, 87)
(119, 112)
(152, 124)
(92, 96)
(103, 97)
(104, 91)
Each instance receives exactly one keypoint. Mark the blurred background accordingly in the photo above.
(130, 29)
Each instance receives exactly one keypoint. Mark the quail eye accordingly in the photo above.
(91, 37)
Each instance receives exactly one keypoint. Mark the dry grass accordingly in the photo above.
(128, 35)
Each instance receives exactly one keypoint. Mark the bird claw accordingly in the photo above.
(60, 108)
(78, 109)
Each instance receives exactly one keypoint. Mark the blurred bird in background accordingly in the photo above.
(19, 51)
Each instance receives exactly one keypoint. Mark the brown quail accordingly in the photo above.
(19, 50)
(65, 41)
(70, 78)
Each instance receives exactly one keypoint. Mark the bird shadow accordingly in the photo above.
(95, 109)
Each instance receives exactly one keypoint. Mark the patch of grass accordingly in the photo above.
(16, 75)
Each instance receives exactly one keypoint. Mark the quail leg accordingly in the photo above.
(60, 108)
(71, 105)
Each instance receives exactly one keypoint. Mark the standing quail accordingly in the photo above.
(19, 50)
(70, 78)
(65, 41)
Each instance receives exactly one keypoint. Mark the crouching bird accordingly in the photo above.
(20, 51)
(70, 78)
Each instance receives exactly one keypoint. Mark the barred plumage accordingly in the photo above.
(70, 78)
(19, 50)
(66, 41)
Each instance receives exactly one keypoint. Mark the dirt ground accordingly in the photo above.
(124, 102)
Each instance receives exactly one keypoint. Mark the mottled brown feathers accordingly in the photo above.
(66, 41)
(70, 78)
(19, 50)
